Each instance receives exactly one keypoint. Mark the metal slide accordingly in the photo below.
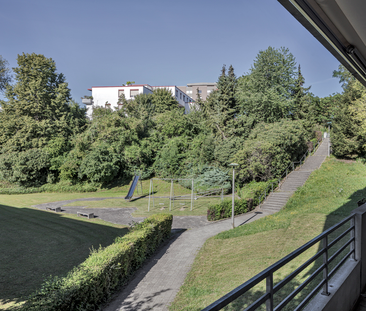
(132, 188)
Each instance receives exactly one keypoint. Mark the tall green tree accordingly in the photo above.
(37, 106)
(163, 100)
(5, 75)
(302, 97)
(348, 132)
(266, 93)
(38, 119)
(220, 107)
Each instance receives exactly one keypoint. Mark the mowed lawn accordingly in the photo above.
(233, 257)
(36, 244)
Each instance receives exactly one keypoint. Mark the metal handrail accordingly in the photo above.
(285, 172)
(267, 274)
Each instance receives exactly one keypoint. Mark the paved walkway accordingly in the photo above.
(156, 284)
(158, 281)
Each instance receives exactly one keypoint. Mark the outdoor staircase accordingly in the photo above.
(278, 199)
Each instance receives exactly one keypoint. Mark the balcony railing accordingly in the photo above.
(337, 258)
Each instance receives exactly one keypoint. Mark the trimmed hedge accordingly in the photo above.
(251, 196)
(49, 188)
(93, 281)
(223, 209)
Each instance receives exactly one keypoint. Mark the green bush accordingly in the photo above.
(93, 281)
(269, 150)
(25, 168)
(251, 196)
(224, 209)
(254, 190)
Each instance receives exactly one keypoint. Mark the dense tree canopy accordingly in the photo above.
(266, 93)
(38, 110)
(262, 120)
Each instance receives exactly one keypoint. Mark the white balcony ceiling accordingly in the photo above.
(340, 25)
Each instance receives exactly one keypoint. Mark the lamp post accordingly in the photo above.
(232, 204)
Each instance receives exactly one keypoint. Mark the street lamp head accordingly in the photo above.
(233, 164)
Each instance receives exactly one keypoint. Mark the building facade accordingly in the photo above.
(204, 89)
(108, 96)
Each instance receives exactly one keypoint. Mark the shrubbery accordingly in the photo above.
(269, 150)
(251, 196)
(224, 209)
(93, 281)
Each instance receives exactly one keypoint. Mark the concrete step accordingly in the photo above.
(276, 200)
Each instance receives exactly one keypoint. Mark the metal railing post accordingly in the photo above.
(325, 270)
(192, 195)
(352, 245)
(293, 166)
(148, 207)
(269, 290)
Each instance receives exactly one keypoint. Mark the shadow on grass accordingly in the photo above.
(333, 218)
(36, 244)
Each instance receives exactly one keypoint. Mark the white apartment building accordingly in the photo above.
(107, 96)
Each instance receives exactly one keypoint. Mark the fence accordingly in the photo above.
(338, 258)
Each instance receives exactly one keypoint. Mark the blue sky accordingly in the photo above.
(159, 42)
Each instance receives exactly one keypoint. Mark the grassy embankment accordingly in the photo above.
(36, 244)
(233, 257)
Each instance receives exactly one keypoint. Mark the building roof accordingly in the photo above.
(202, 83)
(339, 25)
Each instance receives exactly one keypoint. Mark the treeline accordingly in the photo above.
(261, 120)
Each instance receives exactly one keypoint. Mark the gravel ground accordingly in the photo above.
(121, 216)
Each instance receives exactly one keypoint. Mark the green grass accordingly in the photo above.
(36, 244)
(161, 205)
(233, 257)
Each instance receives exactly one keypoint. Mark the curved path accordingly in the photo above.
(155, 285)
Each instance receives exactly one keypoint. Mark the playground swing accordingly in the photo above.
(172, 198)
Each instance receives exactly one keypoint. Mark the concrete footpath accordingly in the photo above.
(156, 284)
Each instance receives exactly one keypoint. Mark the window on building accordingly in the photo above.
(180, 95)
(134, 92)
(176, 94)
(200, 91)
(184, 98)
(107, 105)
(121, 92)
